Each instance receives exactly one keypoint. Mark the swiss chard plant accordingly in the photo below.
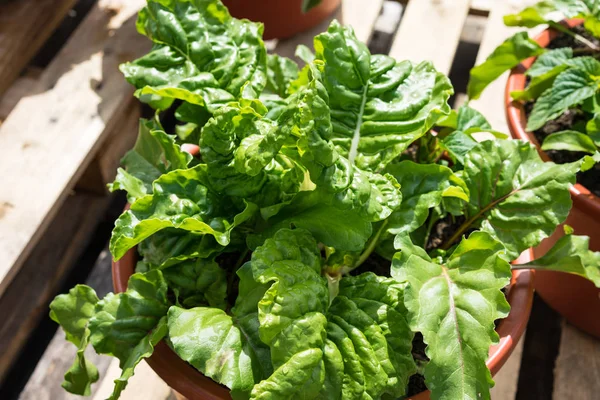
(561, 79)
(315, 235)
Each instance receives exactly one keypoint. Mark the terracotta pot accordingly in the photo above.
(191, 384)
(282, 18)
(577, 299)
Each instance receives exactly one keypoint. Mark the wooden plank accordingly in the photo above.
(25, 301)
(430, 30)
(27, 84)
(44, 383)
(84, 95)
(352, 12)
(144, 385)
(491, 102)
(577, 370)
(103, 168)
(24, 27)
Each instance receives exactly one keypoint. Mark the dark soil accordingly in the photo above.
(376, 264)
(570, 120)
(443, 230)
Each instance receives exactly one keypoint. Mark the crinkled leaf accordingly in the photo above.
(242, 149)
(171, 246)
(571, 141)
(586, 64)
(371, 195)
(378, 107)
(342, 229)
(571, 87)
(357, 347)
(422, 186)
(181, 200)
(198, 282)
(73, 312)
(572, 254)
(458, 327)
(514, 195)
(153, 154)
(201, 55)
(128, 325)
(280, 73)
(506, 56)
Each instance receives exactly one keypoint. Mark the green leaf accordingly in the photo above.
(586, 64)
(201, 55)
(153, 154)
(573, 8)
(469, 118)
(171, 246)
(593, 129)
(359, 347)
(378, 106)
(509, 184)
(73, 312)
(134, 187)
(571, 254)
(543, 72)
(342, 229)
(128, 325)
(422, 186)
(223, 347)
(280, 73)
(531, 16)
(549, 60)
(181, 200)
(506, 56)
(571, 87)
(457, 144)
(592, 25)
(571, 141)
(371, 195)
(304, 53)
(198, 282)
(458, 327)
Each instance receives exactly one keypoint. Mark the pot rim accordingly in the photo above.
(515, 115)
(191, 383)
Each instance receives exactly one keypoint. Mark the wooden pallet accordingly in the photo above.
(446, 32)
(63, 128)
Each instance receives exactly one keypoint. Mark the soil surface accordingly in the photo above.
(571, 119)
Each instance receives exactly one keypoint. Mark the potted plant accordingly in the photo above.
(550, 101)
(283, 19)
(300, 251)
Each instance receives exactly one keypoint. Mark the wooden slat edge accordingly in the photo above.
(72, 118)
(24, 27)
(430, 30)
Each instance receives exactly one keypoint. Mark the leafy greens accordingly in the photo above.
(249, 251)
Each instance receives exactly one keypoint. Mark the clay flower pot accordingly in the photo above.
(577, 299)
(282, 18)
(191, 384)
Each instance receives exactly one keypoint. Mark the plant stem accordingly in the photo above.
(575, 36)
(370, 247)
